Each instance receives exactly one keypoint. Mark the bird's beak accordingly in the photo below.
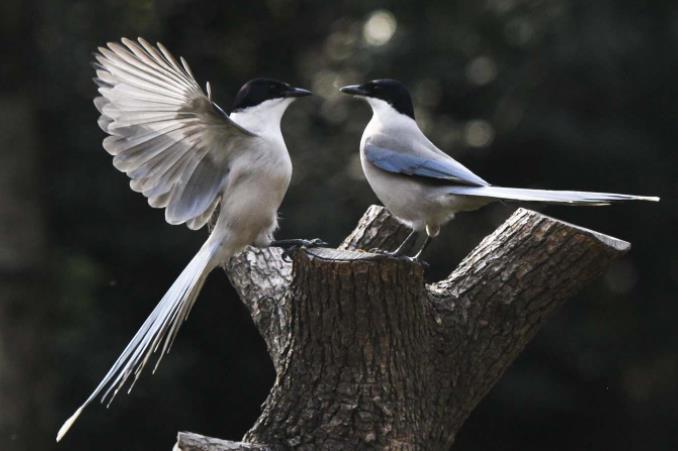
(354, 90)
(298, 92)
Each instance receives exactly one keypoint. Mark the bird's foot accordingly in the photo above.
(415, 260)
(381, 253)
(376, 250)
(291, 246)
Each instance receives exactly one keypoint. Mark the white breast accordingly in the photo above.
(260, 176)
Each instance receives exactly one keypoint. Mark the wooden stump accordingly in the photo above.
(368, 355)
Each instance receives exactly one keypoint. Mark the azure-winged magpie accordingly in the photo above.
(420, 184)
(186, 155)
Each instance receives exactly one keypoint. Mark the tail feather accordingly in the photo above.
(548, 196)
(160, 327)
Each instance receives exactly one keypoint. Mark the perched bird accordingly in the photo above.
(422, 186)
(186, 155)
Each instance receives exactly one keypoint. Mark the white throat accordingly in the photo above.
(385, 117)
(262, 118)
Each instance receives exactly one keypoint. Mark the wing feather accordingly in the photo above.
(159, 60)
(156, 68)
(200, 221)
(130, 62)
(427, 165)
(191, 199)
(132, 76)
(169, 58)
(174, 143)
(127, 139)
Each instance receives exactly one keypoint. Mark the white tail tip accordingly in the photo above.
(68, 423)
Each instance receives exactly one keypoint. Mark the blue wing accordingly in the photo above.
(443, 169)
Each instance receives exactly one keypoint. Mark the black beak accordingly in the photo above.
(354, 90)
(298, 92)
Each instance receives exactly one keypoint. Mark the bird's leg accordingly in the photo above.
(293, 245)
(421, 241)
(400, 250)
(427, 241)
(432, 231)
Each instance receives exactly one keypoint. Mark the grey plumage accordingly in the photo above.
(186, 155)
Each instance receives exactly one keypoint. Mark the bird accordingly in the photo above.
(185, 154)
(422, 186)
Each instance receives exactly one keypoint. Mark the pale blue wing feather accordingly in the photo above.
(412, 164)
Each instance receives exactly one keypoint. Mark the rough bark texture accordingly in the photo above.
(188, 441)
(369, 356)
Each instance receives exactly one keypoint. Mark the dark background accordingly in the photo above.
(536, 93)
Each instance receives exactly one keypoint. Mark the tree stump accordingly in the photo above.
(369, 356)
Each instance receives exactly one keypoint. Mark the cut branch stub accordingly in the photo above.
(376, 229)
(353, 365)
(367, 355)
(188, 441)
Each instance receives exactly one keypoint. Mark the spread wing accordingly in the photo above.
(166, 134)
(425, 164)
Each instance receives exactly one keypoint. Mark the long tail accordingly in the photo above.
(160, 327)
(548, 196)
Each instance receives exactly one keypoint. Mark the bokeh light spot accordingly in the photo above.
(379, 27)
(481, 71)
(478, 133)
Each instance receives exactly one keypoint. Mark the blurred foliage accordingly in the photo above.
(535, 93)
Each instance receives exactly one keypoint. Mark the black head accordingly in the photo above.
(391, 91)
(259, 90)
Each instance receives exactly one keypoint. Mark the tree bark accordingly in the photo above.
(368, 355)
